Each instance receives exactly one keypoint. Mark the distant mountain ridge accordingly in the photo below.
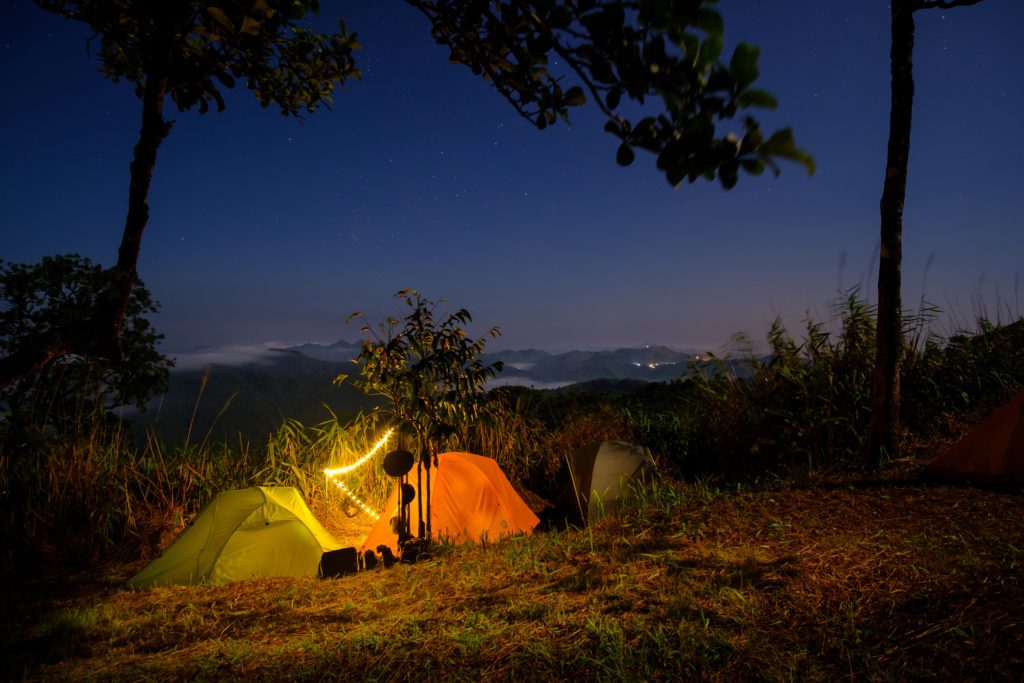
(339, 351)
(647, 363)
(650, 363)
(250, 391)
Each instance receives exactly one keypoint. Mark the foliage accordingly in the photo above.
(624, 55)
(212, 44)
(187, 51)
(971, 373)
(59, 293)
(663, 50)
(92, 494)
(806, 405)
(428, 369)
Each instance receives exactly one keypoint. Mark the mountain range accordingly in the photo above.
(543, 369)
(221, 393)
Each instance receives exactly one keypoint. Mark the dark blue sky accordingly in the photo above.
(265, 229)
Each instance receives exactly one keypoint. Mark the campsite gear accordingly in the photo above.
(369, 560)
(471, 500)
(991, 453)
(260, 531)
(335, 563)
(387, 558)
(398, 464)
(598, 477)
(413, 549)
(408, 493)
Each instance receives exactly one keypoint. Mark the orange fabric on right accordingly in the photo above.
(992, 452)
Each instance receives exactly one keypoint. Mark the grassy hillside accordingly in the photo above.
(252, 400)
(870, 580)
(770, 550)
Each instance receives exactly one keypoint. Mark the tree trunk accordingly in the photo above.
(885, 386)
(110, 309)
(25, 362)
(101, 339)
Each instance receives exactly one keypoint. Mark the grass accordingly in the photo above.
(865, 580)
(784, 557)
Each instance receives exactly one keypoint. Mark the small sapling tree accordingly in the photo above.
(430, 372)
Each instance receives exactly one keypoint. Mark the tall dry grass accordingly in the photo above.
(91, 492)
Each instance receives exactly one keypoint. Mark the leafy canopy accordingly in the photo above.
(426, 366)
(59, 293)
(653, 67)
(662, 55)
(212, 44)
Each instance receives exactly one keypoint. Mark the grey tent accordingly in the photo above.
(599, 477)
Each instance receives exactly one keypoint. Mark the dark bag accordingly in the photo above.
(336, 563)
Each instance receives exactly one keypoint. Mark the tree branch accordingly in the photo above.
(32, 359)
(942, 4)
(566, 54)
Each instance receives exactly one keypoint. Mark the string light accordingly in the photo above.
(333, 474)
(338, 471)
(358, 501)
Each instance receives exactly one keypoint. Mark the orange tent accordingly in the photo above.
(992, 452)
(470, 499)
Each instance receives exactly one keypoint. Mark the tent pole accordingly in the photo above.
(403, 513)
(419, 497)
(429, 456)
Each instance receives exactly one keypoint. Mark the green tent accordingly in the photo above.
(599, 476)
(261, 531)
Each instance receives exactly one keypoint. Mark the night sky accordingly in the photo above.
(264, 229)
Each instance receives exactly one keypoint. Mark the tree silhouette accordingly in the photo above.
(885, 384)
(60, 293)
(660, 54)
(186, 51)
(430, 372)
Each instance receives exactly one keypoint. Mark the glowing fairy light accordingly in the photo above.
(338, 471)
(360, 503)
(333, 474)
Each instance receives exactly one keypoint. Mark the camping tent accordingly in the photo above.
(599, 476)
(261, 531)
(992, 452)
(470, 499)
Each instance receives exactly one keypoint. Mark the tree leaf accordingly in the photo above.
(753, 166)
(709, 21)
(755, 97)
(251, 26)
(625, 155)
(218, 14)
(613, 97)
(575, 97)
(227, 79)
(711, 48)
(782, 144)
(743, 65)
